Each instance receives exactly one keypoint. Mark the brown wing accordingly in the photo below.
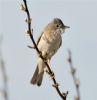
(39, 38)
(60, 43)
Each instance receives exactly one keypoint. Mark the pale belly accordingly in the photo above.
(48, 49)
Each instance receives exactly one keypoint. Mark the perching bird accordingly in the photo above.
(48, 43)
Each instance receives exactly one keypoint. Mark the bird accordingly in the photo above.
(48, 44)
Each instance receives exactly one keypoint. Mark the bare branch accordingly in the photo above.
(73, 72)
(3, 69)
(30, 32)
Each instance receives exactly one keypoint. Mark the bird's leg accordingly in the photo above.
(43, 56)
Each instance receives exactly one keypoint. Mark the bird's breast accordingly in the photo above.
(49, 44)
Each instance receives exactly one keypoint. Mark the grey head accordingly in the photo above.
(59, 24)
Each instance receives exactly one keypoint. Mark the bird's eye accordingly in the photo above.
(57, 25)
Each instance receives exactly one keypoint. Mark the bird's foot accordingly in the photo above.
(40, 54)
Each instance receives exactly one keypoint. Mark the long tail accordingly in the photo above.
(38, 74)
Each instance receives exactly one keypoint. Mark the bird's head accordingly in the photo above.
(58, 24)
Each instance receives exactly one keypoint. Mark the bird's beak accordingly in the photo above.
(63, 29)
(67, 27)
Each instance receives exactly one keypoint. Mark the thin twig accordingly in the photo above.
(30, 32)
(3, 69)
(73, 72)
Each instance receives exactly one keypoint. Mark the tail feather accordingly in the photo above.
(38, 74)
(40, 78)
(35, 76)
